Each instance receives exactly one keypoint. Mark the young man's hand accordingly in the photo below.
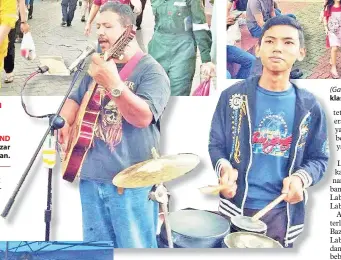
(228, 177)
(293, 186)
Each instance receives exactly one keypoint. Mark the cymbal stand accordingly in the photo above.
(160, 194)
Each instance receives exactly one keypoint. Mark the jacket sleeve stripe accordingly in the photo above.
(294, 233)
(218, 166)
(226, 212)
(227, 208)
(305, 177)
(227, 203)
(296, 227)
(291, 240)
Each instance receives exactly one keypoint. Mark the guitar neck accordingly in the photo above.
(118, 48)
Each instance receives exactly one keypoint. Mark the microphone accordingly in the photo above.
(90, 49)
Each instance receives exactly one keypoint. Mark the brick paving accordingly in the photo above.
(316, 63)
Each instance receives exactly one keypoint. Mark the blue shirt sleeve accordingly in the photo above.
(78, 93)
(155, 90)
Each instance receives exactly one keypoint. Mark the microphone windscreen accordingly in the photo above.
(43, 69)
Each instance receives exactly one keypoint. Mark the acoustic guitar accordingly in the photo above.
(83, 130)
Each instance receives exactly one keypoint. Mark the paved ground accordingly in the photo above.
(53, 40)
(316, 64)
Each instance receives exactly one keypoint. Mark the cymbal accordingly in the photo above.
(156, 171)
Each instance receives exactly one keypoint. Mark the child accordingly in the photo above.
(332, 26)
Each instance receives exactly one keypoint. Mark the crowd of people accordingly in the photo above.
(179, 30)
(267, 137)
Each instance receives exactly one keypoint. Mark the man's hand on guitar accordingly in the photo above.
(63, 138)
(104, 73)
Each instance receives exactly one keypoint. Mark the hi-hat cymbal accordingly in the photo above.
(156, 171)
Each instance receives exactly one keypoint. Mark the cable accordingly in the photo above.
(41, 70)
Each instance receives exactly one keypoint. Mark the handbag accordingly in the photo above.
(203, 89)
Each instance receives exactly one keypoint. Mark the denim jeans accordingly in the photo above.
(128, 219)
(256, 31)
(30, 10)
(68, 10)
(239, 56)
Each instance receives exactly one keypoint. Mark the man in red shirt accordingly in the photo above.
(135, 4)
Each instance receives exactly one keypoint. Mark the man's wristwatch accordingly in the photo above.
(117, 91)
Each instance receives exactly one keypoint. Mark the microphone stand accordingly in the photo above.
(55, 122)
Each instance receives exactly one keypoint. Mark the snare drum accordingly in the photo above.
(196, 229)
(249, 240)
(244, 223)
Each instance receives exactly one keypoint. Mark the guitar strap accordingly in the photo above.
(130, 65)
(124, 74)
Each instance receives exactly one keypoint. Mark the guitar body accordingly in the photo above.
(83, 131)
(82, 135)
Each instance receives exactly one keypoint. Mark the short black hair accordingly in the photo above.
(283, 20)
(122, 10)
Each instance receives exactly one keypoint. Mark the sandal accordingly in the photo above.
(334, 76)
(9, 78)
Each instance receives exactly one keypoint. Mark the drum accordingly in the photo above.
(244, 223)
(196, 229)
(249, 240)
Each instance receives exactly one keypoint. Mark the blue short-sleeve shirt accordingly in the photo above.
(118, 144)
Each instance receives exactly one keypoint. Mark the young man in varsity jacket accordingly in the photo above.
(269, 137)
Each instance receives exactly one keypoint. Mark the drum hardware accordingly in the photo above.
(155, 172)
(159, 193)
(249, 240)
(245, 224)
(254, 224)
(158, 170)
(194, 228)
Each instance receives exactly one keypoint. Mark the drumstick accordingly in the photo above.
(268, 207)
(213, 189)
